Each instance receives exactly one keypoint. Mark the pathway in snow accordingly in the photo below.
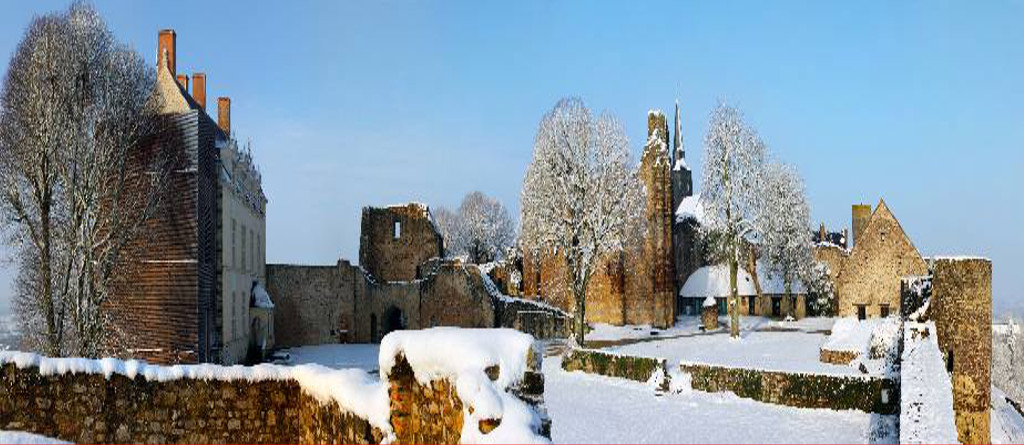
(592, 409)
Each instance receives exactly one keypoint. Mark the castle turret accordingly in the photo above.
(655, 167)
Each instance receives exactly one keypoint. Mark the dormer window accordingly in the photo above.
(398, 230)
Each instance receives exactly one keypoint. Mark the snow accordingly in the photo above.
(771, 284)
(19, 437)
(262, 297)
(1007, 424)
(690, 207)
(359, 356)
(354, 390)
(787, 351)
(713, 281)
(430, 354)
(587, 408)
(710, 301)
(606, 332)
(851, 335)
(926, 402)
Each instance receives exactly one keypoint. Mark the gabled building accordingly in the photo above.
(869, 283)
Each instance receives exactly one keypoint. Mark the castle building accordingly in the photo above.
(868, 284)
(189, 299)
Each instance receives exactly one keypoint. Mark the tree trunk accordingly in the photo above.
(734, 307)
(580, 294)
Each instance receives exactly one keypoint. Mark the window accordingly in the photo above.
(883, 310)
(398, 230)
(862, 312)
(233, 264)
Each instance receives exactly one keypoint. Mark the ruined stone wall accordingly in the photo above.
(881, 257)
(394, 241)
(90, 408)
(313, 304)
(658, 256)
(961, 306)
(455, 296)
(341, 304)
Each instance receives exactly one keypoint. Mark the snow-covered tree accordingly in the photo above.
(1008, 360)
(75, 105)
(734, 175)
(581, 194)
(482, 230)
(820, 290)
(785, 219)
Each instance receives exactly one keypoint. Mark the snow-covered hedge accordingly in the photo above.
(926, 412)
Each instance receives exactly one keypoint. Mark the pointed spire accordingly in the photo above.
(678, 153)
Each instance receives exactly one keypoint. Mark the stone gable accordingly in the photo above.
(882, 255)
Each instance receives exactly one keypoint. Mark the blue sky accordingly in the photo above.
(369, 103)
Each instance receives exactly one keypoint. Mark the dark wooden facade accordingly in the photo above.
(167, 308)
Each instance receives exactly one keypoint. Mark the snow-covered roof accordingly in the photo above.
(713, 281)
(710, 301)
(690, 207)
(680, 165)
(775, 285)
(261, 298)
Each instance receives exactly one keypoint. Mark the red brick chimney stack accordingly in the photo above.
(166, 42)
(224, 114)
(183, 81)
(199, 89)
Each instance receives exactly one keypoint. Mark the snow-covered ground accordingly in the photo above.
(361, 356)
(790, 351)
(586, 408)
(19, 437)
(1007, 425)
(686, 325)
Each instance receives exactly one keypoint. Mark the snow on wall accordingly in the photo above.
(353, 390)
(462, 356)
(926, 412)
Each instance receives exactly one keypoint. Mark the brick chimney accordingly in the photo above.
(183, 81)
(166, 42)
(199, 89)
(224, 114)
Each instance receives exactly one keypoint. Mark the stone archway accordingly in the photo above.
(393, 320)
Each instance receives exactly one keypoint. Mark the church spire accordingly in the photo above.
(678, 153)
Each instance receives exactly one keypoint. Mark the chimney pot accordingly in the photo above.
(224, 114)
(199, 89)
(166, 42)
(183, 81)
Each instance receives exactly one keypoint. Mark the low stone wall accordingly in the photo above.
(537, 319)
(837, 357)
(870, 394)
(638, 369)
(91, 408)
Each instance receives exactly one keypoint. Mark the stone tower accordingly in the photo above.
(861, 216)
(961, 306)
(655, 172)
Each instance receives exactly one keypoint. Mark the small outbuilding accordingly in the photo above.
(713, 282)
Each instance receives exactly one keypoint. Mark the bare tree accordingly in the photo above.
(733, 182)
(482, 230)
(581, 194)
(74, 186)
(785, 217)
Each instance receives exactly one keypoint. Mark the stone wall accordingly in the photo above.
(394, 241)
(639, 369)
(961, 306)
(870, 394)
(341, 304)
(90, 408)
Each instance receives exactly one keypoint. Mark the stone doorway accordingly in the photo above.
(394, 320)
